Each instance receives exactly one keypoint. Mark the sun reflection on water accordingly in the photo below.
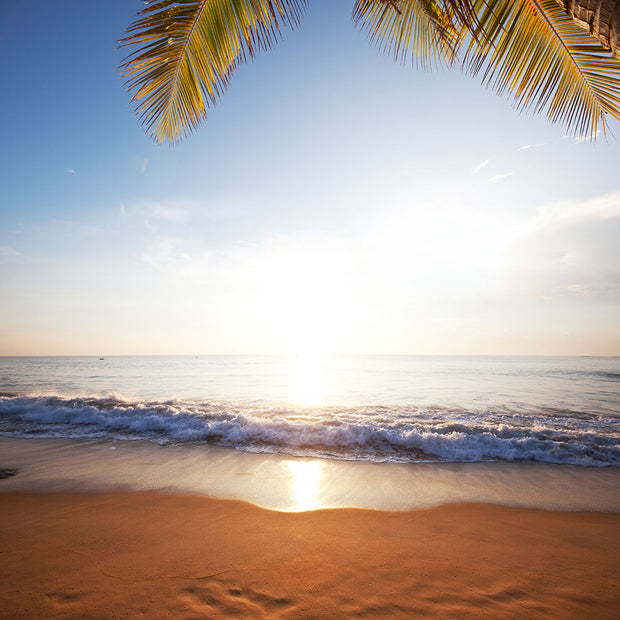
(305, 478)
(306, 386)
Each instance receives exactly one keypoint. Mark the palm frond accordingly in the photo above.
(187, 51)
(534, 50)
(421, 30)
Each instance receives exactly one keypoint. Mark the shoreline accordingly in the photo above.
(286, 483)
(103, 555)
(101, 529)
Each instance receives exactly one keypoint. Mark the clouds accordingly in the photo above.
(298, 292)
(439, 254)
(501, 176)
(156, 215)
(568, 250)
(166, 255)
(261, 224)
(426, 276)
(6, 250)
(579, 289)
(480, 166)
(571, 213)
(586, 137)
(527, 147)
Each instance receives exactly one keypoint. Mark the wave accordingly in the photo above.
(614, 376)
(400, 434)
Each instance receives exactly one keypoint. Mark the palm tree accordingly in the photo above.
(601, 18)
(184, 52)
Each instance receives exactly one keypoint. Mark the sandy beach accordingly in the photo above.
(157, 555)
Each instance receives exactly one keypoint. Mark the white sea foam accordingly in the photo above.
(375, 433)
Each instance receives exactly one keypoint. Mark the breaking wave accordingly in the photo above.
(375, 433)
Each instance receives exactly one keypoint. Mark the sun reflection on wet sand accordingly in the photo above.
(305, 478)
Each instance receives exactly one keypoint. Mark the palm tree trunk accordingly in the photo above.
(600, 17)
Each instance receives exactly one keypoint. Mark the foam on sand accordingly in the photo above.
(287, 483)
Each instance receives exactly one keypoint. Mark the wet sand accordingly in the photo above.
(157, 555)
(286, 483)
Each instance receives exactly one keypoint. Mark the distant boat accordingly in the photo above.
(101, 358)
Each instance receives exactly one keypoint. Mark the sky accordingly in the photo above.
(335, 201)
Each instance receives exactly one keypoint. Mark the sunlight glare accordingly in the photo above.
(305, 295)
(307, 380)
(304, 478)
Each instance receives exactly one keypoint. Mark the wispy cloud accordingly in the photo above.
(480, 166)
(167, 256)
(144, 165)
(525, 147)
(580, 290)
(567, 251)
(501, 176)
(168, 212)
(70, 171)
(6, 250)
(586, 137)
(604, 207)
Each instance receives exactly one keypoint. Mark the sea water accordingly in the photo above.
(374, 408)
(308, 432)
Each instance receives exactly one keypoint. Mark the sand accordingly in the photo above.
(156, 555)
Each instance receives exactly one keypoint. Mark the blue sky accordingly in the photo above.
(334, 201)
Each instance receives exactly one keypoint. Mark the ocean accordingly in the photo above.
(406, 409)
(303, 433)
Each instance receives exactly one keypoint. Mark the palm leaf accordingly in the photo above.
(188, 51)
(426, 31)
(533, 50)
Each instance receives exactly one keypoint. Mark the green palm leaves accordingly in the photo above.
(187, 51)
(534, 50)
(423, 31)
